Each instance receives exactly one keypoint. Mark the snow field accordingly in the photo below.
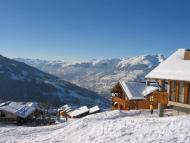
(105, 127)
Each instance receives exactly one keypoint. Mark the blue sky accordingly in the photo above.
(85, 29)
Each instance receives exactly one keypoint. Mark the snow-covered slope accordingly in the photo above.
(99, 75)
(106, 127)
(21, 82)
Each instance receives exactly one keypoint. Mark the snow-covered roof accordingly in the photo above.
(173, 68)
(148, 90)
(64, 108)
(136, 90)
(18, 108)
(78, 111)
(94, 109)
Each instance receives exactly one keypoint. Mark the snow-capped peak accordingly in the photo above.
(99, 75)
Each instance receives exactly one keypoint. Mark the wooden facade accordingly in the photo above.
(176, 72)
(121, 102)
(177, 95)
(160, 97)
(179, 92)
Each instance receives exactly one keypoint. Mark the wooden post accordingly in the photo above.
(162, 85)
(147, 83)
(160, 105)
(170, 94)
(186, 93)
(160, 110)
(177, 91)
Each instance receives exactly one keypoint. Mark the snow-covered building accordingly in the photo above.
(131, 95)
(175, 72)
(94, 110)
(67, 111)
(80, 112)
(14, 111)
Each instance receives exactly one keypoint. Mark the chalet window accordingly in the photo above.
(181, 91)
(2, 114)
(173, 90)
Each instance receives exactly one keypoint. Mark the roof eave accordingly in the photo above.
(169, 79)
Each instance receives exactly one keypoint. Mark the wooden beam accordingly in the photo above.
(162, 85)
(170, 87)
(186, 93)
(177, 91)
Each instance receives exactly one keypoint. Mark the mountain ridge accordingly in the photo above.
(21, 82)
(99, 75)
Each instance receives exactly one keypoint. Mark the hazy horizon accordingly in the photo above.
(79, 60)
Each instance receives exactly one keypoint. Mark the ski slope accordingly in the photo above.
(106, 127)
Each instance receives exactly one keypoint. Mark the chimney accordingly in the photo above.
(187, 54)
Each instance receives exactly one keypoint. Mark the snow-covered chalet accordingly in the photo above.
(133, 95)
(173, 77)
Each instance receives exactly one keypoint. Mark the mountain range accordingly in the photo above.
(98, 75)
(21, 82)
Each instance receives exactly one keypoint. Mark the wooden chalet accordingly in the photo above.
(173, 78)
(131, 95)
(19, 112)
